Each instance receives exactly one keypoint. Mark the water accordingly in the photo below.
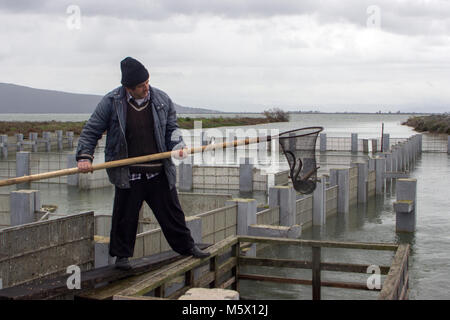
(429, 262)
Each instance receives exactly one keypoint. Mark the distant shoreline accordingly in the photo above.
(432, 123)
(25, 127)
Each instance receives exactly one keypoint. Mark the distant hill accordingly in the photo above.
(21, 99)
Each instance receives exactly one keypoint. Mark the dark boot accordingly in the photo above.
(123, 263)
(197, 253)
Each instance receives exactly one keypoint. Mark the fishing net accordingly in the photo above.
(299, 147)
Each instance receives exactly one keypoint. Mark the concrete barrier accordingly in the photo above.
(246, 175)
(46, 248)
(23, 205)
(405, 206)
(354, 148)
(186, 177)
(319, 204)
(284, 197)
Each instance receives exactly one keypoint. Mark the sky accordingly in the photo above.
(239, 55)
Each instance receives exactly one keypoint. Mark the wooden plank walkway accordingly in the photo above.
(56, 287)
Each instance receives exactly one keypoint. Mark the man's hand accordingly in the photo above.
(85, 166)
(180, 154)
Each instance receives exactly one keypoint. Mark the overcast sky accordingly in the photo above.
(238, 55)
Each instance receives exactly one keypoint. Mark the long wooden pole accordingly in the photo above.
(129, 161)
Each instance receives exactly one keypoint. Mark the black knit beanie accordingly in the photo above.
(133, 72)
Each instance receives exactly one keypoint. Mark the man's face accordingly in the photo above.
(141, 90)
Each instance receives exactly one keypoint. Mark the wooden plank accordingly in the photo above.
(52, 287)
(392, 280)
(228, 283)
(317, 243)
(235, 271)
(342, 285)
(108, 291)
(302, 264)
(120, 297)
(403, 294)
(205, 279)
(172, 271)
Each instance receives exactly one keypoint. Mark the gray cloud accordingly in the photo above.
(229, 54)
(404, 17)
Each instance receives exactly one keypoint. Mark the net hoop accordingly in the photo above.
(281, 135)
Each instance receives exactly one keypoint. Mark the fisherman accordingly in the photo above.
(139, 120)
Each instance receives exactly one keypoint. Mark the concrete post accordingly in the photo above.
(374, 146)
(323, 142)
(69, 136)
(400, 159)
(420, 143)
(405, 207)
(19, 141)
(319, 203)
(394, 163)
(4, 145)
(246, 175)
(186, 177)
(366, 145)
(333, 178)
(230, 153)
(343, 182)
(363, 172)
(285, 198)
(22, 167)
(22, 206)
(380, 169)
(386, 142)
(59, 139)
(48, 143)
(371, 164)
(354, 142)
(33, 137)
(246, 216)
(388, 157)
(72, 180)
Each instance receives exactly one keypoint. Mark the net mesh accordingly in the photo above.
(299, 147)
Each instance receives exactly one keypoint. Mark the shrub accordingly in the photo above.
(276, 115)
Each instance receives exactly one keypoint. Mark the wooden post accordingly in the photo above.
(316, 273)
(235, 250)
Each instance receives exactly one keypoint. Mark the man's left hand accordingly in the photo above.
(180, 154)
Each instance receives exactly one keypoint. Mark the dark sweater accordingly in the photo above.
(141, 138)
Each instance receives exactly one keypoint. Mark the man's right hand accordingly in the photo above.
(85, 166)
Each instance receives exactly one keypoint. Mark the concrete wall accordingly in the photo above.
(7, 169)
(150, 242)
(304, 211)
(192, 204)
(331, 200)
(219, 224)
(371, 188)
(223, 178)
(46, 248)
(5, 217)
(269, 216)
(281, 178)
(353, 184)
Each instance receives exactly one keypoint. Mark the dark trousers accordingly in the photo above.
(165, 206)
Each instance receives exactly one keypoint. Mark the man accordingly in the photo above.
(139, 120)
